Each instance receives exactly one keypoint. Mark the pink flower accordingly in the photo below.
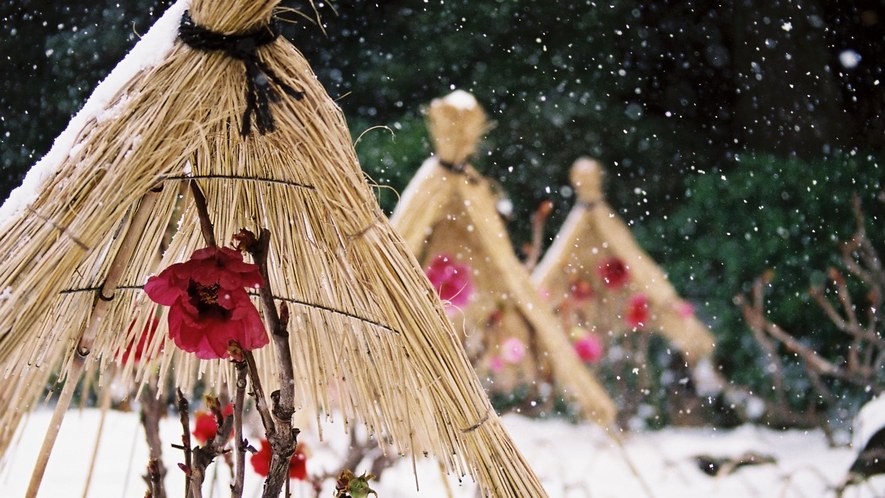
(297, 465)
(614, 273)
(136, 352)
(637, 311)
(496, 364)
(452, 281)
(513, 350)
(588, 348)
(209, 307)
(685, 309)
(205, 425)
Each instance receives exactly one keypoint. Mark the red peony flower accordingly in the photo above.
(297, 465)
(588, 348)
(136, 352)
(637, 311)
(614, 273)
(205, 425)
(208, 304)
(452, 281)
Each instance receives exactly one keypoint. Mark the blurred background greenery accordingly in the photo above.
(734, 133)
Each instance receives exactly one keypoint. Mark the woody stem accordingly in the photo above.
(239, 442)
(280, 434)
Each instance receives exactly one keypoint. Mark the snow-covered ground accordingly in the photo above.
(571, 460)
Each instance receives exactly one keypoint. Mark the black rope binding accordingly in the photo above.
(259, 92)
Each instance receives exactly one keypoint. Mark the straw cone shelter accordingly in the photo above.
(594, 233)
(370, 339)
(449, 209)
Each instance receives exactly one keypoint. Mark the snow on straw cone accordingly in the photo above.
(365, 322)
(449, 208)
(593, 233)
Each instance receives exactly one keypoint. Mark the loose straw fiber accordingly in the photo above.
(451, 210)
(369, 336)
(593, 232)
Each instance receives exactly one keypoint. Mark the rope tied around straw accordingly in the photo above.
(259, 92)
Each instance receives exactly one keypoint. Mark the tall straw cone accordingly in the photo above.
(449, 208)
(592, 233)
(368, 334)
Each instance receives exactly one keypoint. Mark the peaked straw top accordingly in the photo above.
(448, 210)
(370, 339)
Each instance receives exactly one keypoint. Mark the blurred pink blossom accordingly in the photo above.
(614, 273)
(637, 311)
(496, 364)
(685, 309)
(589, 348)
(453, 281)
(513, 350)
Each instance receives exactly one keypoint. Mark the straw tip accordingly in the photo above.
(586, 178)
(461, 100)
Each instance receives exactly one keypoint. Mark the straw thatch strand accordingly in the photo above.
(369, 337)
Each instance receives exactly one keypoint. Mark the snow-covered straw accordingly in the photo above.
(370, 338)
(106, 102)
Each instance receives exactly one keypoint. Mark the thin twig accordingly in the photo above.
(152, 410)
(205, 455)
(203, 214)
(539, 219)
(239, 442)
(184, 417)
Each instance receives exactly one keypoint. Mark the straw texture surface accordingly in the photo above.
(449, 208)
(592, 233)
(368, 333)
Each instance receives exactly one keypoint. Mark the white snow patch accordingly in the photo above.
(147, 53)
(571, 460)
(870, 419)
(461, 100)
(6, 294)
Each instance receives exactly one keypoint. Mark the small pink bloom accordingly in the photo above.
(496, 364)
(452, 281)
(685, 309)
(513, 350)
(614, 273)
(208, 304)
(637, 311)
(589, 348)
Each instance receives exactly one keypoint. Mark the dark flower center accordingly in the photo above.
(205, 299)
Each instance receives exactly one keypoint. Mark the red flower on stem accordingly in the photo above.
(637, 311)
(297, 465)
(614, 273)
(206, 425)
(209, 307)
(452, 281)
